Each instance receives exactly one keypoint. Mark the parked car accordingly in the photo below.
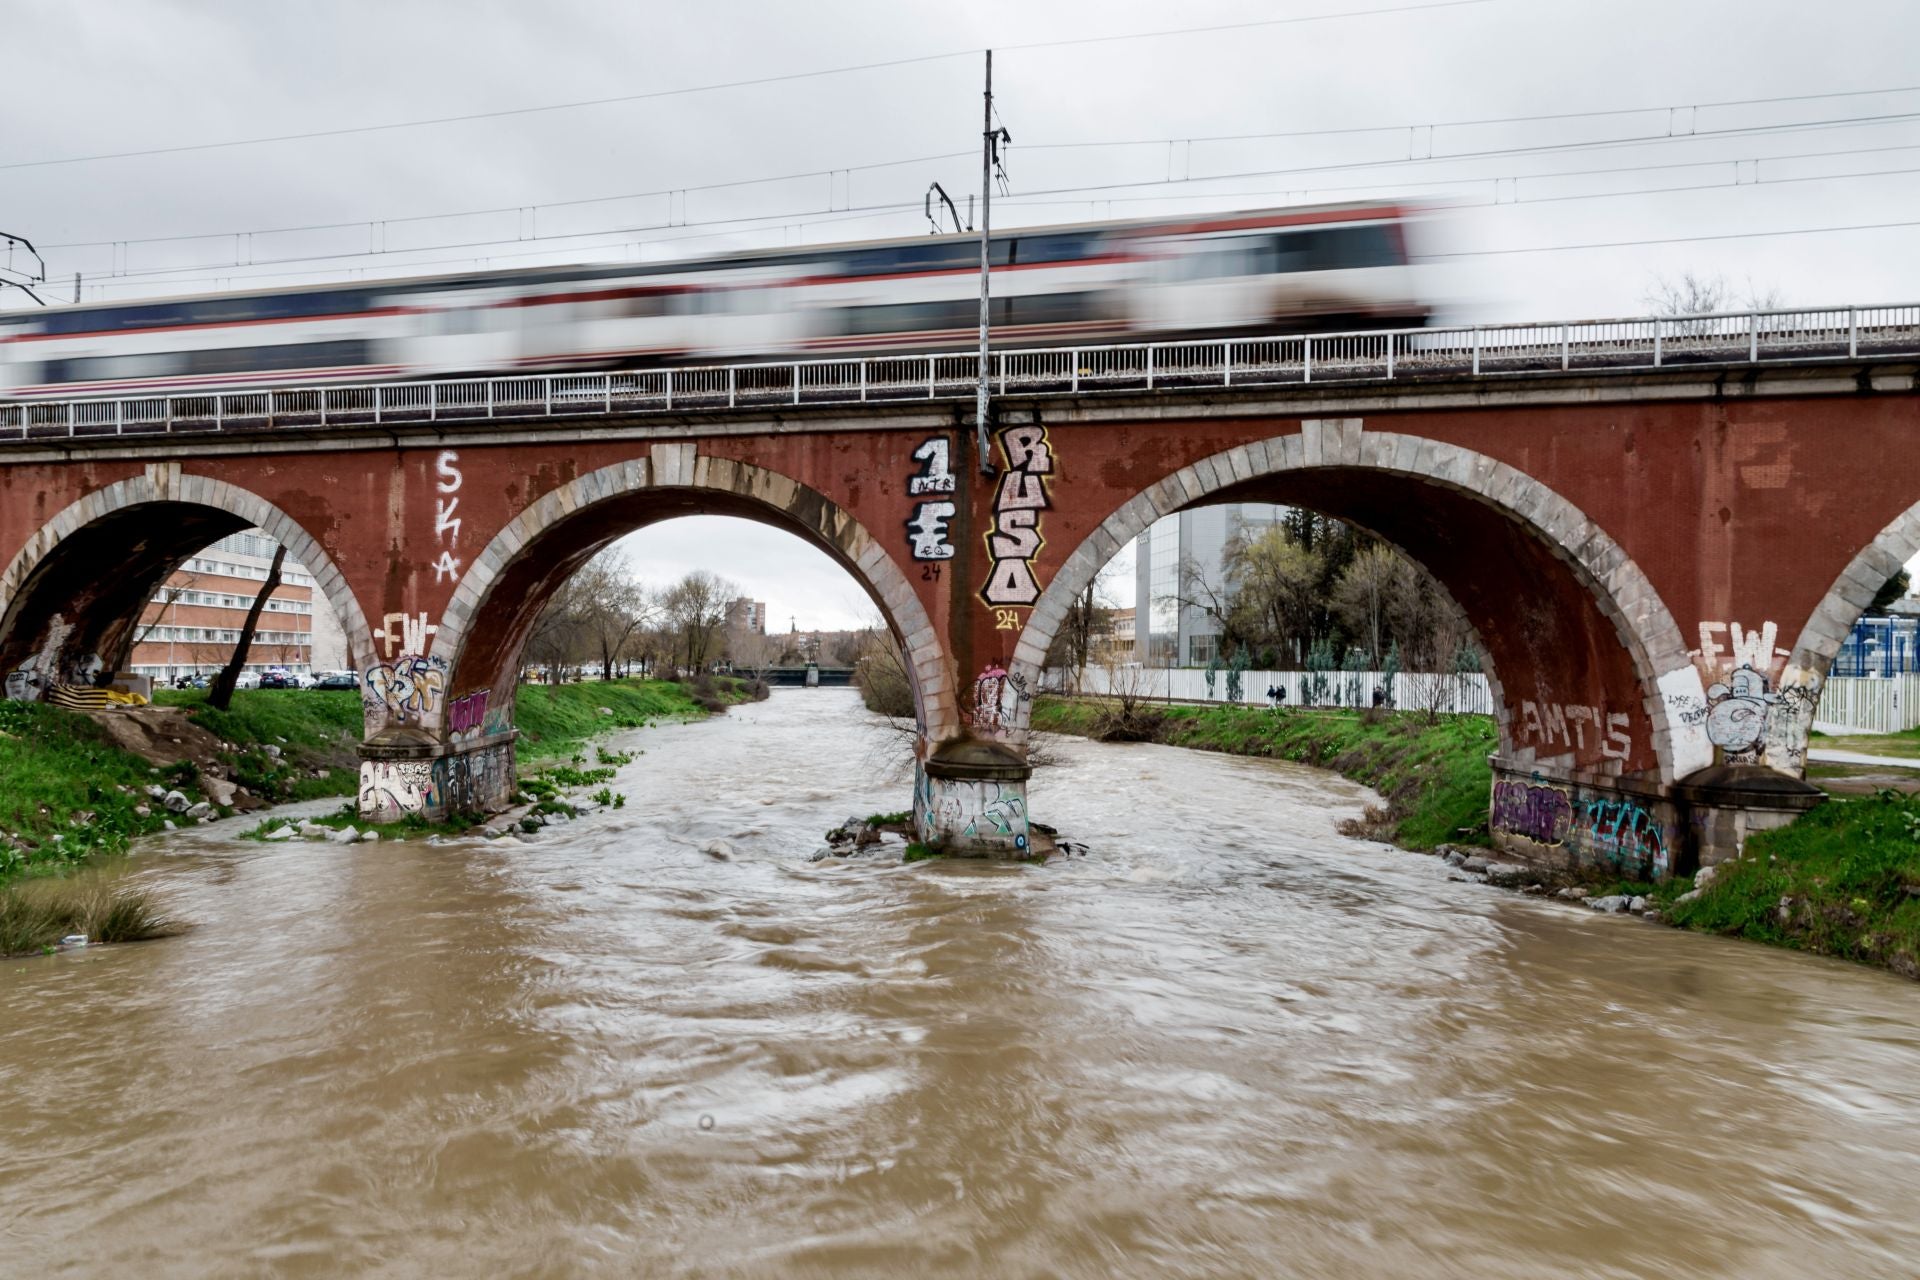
(278, 680)
(337, 680)
(248, 680)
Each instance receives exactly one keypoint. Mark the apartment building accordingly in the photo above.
(193, 621)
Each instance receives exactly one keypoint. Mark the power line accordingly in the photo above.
(547, 204)
(1239, 26)
(1628, 244)
(1778, 129)
(758, 81)
(1416, 126)
(1517, 178)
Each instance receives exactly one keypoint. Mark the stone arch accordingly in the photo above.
(1828, 627)
(114, 510)
(1663, 670)
(576, 520)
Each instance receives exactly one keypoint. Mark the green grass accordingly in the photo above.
(67, 793)
(558, 720)
(1842, 880)
(917, 852)
(313, 728)
(1904, 745)
(1434, 777)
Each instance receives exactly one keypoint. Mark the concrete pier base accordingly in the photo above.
(1639, 829)
(970, 801)
(404, 775)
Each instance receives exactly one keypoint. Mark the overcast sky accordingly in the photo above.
(89, 80)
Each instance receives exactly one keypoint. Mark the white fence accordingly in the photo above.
(1848, 704)
(1466, 692)
(1869, 704)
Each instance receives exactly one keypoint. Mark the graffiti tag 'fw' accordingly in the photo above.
(1015, 538)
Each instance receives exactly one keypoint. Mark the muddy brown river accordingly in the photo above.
(1226, 1042)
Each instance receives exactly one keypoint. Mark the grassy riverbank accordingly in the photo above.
(1434, 777)
(1842, 880)
(72, 792)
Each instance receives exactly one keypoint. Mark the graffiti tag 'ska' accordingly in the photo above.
(1015, 538)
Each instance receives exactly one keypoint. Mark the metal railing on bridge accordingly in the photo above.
(1372, 356)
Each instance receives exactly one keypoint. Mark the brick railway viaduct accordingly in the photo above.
(1660, 556)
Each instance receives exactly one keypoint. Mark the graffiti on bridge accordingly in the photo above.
(1753, 723)
(446, 525)
(1625, 833)
(997, 695)
(392, 789)
(927, 528)
(1534, 811)
(1567, 724)
(407, 689)
(1015, 538)
(1617, 829)
(467, 715)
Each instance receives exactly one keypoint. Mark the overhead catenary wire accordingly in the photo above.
(1780, 128)
(754, 82)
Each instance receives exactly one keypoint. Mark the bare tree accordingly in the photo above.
(609, 608)
(1696, 293)
(695, 608)
(881, 673)
(170, 594)
(1363, 591)
(556, 639)
(221, 695)
(1085, 630)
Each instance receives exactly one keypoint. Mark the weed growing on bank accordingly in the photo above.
(37, 912)
(1434, 776)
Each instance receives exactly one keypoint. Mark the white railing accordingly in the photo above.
(1869, 704)
(1398, 355)
(1466, 692)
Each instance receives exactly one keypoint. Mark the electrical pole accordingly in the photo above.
(990, 139)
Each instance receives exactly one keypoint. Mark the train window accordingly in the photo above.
(1052, 308)
(1345, 248)
(917, 317)
(299, 355)
(644, 305)
(935, 255)
(1058, 248)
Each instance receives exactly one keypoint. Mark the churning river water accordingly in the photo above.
(1225, 1042)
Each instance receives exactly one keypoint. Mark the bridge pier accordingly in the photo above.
(970, 801)
(405, 774)
(1566, 818)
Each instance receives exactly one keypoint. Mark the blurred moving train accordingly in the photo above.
(1322, 268)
